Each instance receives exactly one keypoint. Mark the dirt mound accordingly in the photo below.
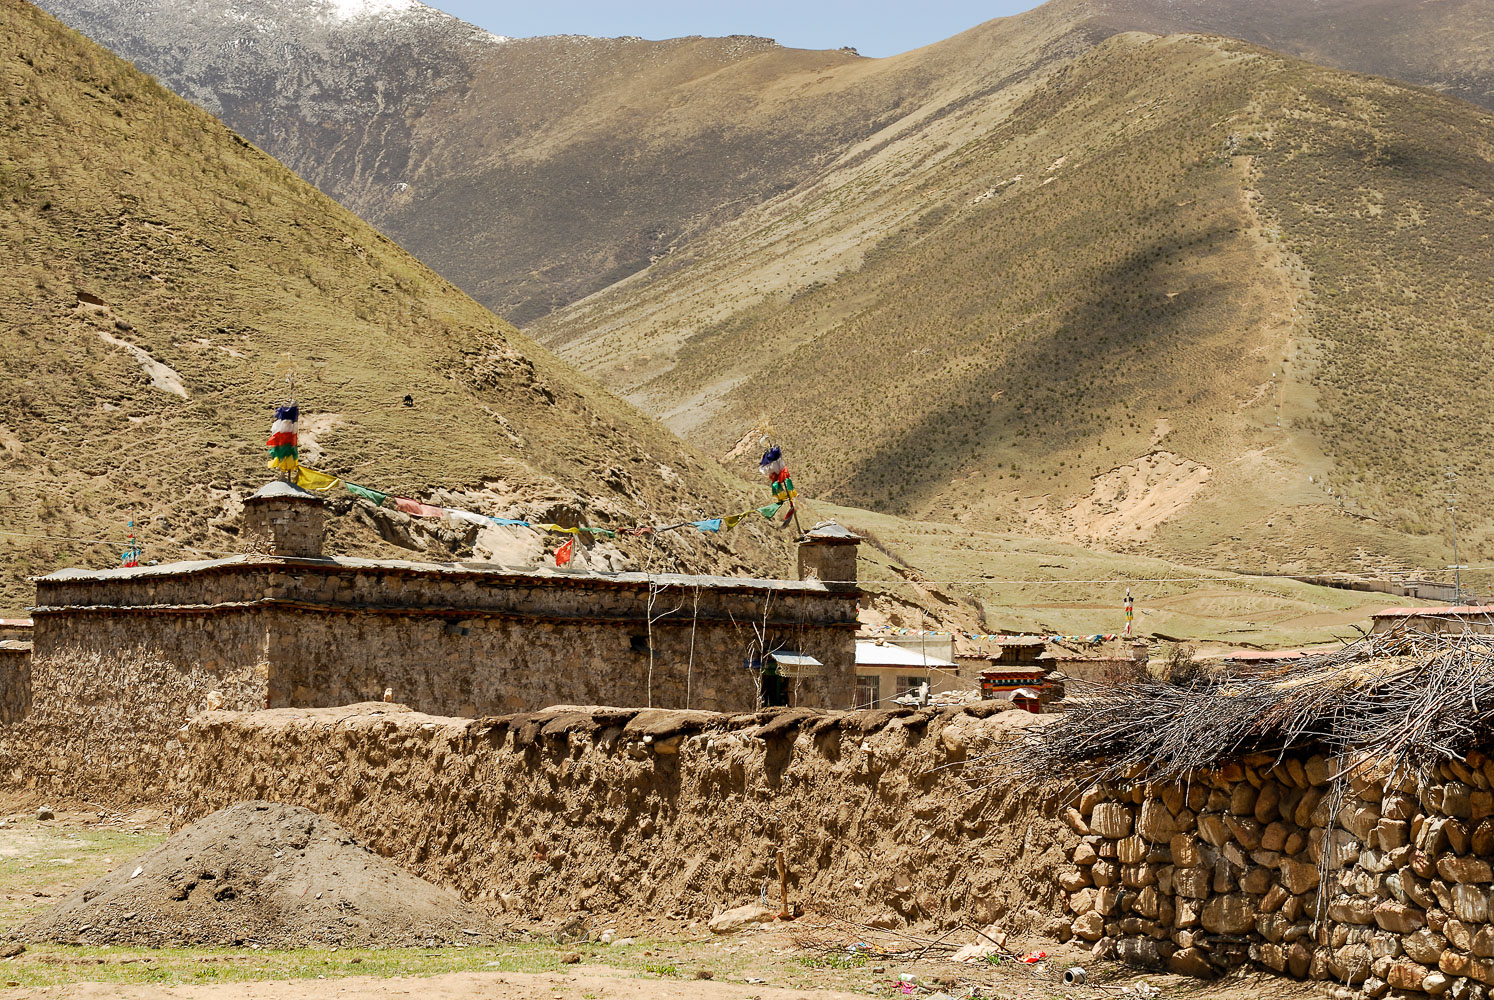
(261, 873)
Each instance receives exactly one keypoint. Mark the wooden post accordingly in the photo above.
(783, 911)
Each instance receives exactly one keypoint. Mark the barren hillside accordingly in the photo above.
(1182, 295)
(532, 172)
(161, 277)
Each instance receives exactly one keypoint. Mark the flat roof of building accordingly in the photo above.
(1459, 609)
(875, 654)
(460, 569)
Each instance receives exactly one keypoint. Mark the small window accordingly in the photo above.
(868, 691)
(775, 690)
(907, 684)
(638, 643)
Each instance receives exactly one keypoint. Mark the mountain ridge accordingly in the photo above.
(528, 173)
(1162, 286)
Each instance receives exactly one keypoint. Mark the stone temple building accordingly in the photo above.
(292, 627)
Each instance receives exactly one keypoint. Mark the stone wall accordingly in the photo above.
(453, 639)
(654, 812)
(1381, 888)
(15, 680)
(107, 700)
(482, 665)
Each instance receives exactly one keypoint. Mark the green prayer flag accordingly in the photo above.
(367, 494)
(770, 510)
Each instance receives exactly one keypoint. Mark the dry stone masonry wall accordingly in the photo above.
(654, 812)
(1382, 889)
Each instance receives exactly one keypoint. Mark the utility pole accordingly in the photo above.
(1452, 507)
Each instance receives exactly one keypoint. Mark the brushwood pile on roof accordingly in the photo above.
(1395, 702)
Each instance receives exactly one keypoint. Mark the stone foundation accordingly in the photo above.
(1377, 888)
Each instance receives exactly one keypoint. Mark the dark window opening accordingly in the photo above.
(775, 690)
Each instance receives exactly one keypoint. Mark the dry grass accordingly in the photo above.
(1269, 270)
(220, 264)
(983, 581)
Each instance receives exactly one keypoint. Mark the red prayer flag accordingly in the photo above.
(415, 508)
(564, 553)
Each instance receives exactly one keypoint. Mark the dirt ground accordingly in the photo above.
(262, 873)
(808, 959)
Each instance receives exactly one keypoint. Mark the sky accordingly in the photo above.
(873, 29)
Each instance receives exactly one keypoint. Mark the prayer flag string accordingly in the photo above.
(322, 482)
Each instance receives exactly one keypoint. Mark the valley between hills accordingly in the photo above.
(1069, 275)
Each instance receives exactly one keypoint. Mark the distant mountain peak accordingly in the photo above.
(350, 9)
(357, 11)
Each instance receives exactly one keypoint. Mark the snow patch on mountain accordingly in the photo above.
(393, 10)
(349, 9)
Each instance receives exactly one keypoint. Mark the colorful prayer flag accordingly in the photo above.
(770, 511)
(415, 508)
(366, 493)
(131, 556)
(282, 440)
(311, 479)
(564, 553)
(775, 468)
(710, 524)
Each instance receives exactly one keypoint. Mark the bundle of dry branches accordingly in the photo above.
(1402, 701)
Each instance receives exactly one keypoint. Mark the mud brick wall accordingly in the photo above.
(1375, 887)
(613, 811)
(452, 639)
(106, 701)
(15, 680)
(487, 665)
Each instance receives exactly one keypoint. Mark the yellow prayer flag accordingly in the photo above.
(310, 479)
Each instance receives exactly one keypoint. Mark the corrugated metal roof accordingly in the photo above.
(872, 654)
(787, 659)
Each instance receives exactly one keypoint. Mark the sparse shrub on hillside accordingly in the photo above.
(1181, 667)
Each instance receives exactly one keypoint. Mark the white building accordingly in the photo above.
(888, 667)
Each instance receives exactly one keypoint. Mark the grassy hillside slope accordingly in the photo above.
(532, 172)
(161, 276)
(1185, 297)
(1445, 45)
(928, 575)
